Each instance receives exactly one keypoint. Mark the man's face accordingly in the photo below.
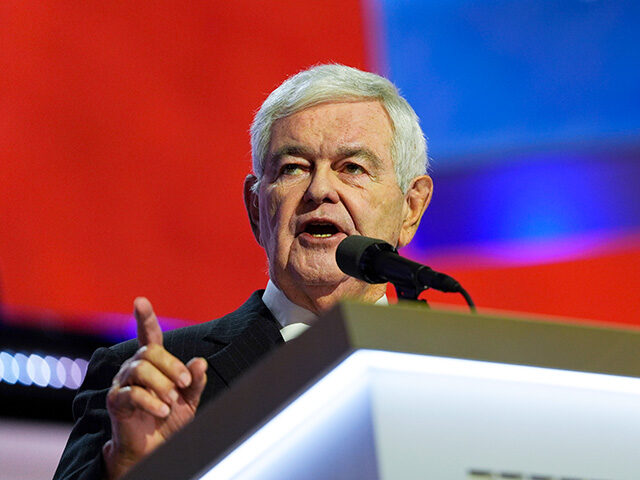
(328, 174)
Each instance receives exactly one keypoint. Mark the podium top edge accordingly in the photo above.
(569, 345)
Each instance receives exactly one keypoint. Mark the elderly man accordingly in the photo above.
(336, 151)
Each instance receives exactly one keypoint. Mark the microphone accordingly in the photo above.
(376, 261)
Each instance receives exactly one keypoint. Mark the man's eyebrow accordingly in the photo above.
(291, 150)
(342, 152)
(362, 152)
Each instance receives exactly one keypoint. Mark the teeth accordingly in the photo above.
(321, 235)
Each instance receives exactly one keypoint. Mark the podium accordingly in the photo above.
(404, 392)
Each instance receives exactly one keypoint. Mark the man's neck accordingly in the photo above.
(286, 312)
(318, 298)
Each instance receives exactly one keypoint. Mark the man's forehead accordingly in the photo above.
(344, 125)
(360, 108)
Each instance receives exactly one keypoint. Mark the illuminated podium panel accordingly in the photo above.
(408, 393)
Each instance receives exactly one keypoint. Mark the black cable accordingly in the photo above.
(467, 297)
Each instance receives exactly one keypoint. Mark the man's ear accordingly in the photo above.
(416, 200)
(251, 204)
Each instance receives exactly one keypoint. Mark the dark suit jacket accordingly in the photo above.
(230, 344)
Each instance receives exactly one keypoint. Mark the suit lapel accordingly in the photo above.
(243, 337)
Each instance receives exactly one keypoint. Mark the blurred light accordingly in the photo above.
(23, 374)
(10, 368)
(74, 380)
(38, 370)
(61, 373)
(82, 365)
(68, 364)
(53, 363)
(42, 372)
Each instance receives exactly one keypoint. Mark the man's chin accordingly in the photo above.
(322, 280)
(319, 274)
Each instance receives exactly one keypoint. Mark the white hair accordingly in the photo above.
(330, 83)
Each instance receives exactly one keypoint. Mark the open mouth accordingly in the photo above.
(321, 230)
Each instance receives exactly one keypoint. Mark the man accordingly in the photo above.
(336, 152)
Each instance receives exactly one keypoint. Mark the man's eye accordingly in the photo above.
(291, 169)
(353, 169)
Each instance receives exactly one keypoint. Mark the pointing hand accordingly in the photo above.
(152, 396)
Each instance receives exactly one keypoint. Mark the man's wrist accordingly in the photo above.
(116, 464)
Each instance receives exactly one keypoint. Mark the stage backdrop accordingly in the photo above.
(124, 144)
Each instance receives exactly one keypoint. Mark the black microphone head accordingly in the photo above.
(354, 253)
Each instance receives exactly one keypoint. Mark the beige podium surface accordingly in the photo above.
(405, 392)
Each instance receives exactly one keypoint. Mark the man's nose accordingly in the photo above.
(322, 188)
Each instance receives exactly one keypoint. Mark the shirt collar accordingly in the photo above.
(286, 312)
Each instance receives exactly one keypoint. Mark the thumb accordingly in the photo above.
(147, 326)
(198, 369)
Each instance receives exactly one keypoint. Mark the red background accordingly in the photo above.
(124, 144)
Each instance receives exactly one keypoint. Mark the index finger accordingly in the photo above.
(147, 326)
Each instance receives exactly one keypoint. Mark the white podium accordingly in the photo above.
(404, 392)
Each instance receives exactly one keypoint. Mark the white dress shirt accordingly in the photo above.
(293, 318)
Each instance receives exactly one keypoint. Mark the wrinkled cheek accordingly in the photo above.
(389, 221)
(272, 231)
(272, 208)
(269, 213)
